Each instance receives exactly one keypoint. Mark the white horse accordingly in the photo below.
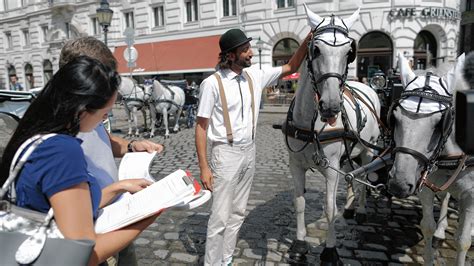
(325, 104)
(427, 157)
(135, 100)
(165, 99)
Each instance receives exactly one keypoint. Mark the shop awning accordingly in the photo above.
(176, 56)
(293, 76)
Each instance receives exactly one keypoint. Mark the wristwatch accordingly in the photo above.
(130, 146)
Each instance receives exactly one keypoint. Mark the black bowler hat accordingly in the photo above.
(232, 39)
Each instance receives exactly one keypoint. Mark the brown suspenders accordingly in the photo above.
(225, 110)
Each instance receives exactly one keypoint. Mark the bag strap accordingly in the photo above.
(252, 96)
(15, 167)
(225, 109)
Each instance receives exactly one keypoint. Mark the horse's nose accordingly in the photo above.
(398, 187)
(328, 110)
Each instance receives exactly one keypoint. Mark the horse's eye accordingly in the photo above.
(316, 51)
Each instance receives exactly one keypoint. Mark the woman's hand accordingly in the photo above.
(146, 145)
(128, 185)
(133, 185)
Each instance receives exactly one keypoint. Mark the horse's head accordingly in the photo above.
(126, 86)
(330, 52)
(421, 121)
(148, 88)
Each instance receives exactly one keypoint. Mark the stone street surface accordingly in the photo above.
(391, 236)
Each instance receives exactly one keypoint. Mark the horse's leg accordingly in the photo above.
(428, 224)
(164, 112)
(439, 234)
(129, 116)
(135, 121)
(349, 206)
(178, 115)
(153, 120)
(462, 237)
(361, 212)
(329, 256)
(299, 247)
(144, 117)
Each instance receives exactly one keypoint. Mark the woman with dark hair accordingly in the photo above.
(76, 99)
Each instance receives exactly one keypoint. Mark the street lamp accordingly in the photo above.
(259, 48)
(104, 16)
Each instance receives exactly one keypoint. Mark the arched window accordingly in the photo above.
(29, 78)
(11, 70)
(283, 51)
(425, 50)
(47, 71)
(375, 52)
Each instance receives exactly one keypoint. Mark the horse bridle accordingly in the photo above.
(316, 32)
(426, 92)
(318, 157)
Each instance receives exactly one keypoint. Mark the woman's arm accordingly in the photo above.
(73, 214)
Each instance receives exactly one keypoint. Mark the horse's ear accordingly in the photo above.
(406, 73)
(313, 19)
(451, 76)
(353, 18)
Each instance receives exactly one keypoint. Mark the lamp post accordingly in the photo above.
(104, 16)
(259, 48)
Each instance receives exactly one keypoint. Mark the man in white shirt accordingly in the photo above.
(227, 117)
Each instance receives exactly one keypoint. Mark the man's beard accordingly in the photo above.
(243, 63)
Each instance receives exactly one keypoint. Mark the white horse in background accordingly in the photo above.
(165, 99)
(135, 100)
(326, 104)
(427, 157)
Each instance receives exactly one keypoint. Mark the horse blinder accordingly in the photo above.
(352, 54)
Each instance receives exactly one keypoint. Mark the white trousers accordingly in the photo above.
(233, 168)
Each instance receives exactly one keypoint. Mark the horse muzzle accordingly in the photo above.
(398, 186)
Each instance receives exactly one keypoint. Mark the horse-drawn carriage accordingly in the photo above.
(163, 98)
(191, 99)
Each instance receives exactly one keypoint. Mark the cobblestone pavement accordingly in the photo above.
(391, 236)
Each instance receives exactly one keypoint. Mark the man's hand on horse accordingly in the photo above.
(207, 179)
(148, 146)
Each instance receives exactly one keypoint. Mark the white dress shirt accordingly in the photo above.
(238, 102)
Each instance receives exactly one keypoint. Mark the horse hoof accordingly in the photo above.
(348, 213)
(437, 242)
(167, 136)
(361, 218)
(329, 257)
(298, 251)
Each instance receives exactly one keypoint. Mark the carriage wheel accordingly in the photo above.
(8, 124)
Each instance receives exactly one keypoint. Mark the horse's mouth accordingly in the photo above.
(330, 120)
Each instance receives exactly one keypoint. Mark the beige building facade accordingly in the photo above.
(179, 38)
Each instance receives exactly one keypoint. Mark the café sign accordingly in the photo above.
(427, 13)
